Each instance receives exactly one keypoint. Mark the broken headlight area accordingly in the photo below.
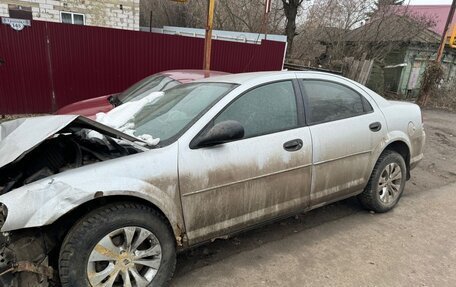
(64, 151)
(24, 259)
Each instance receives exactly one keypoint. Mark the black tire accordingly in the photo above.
(85, 234)
(370, 197)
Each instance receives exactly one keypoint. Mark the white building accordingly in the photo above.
(121, 14)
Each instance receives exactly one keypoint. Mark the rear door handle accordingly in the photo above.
(375, 127)
(293, 145)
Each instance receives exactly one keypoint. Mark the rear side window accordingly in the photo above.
(264, 110)
(328, 101)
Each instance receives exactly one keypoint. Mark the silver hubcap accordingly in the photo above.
(128, 257)
(389, 185)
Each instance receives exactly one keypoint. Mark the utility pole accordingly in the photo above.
(264, 24)
(208, 38)
(431, 77)
(445, 32)
(150, 21)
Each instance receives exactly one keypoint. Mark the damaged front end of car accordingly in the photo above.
(34, 149)
(28, 156)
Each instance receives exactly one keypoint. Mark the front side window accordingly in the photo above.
(328, 101)
(72, 18)
(264, 110)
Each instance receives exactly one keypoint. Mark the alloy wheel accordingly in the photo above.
(389, 184)
(127, 257)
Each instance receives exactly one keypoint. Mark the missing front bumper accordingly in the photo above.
(24, 259)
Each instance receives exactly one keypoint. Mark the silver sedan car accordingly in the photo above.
(91, 204)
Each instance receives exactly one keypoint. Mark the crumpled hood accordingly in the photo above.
(18, 137)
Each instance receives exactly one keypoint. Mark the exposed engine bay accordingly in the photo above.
(73, 143)
(57, 154)
(77, 144)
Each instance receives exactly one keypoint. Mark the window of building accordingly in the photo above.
(19, 12)
(72, 18)
(328, 101)
(264, 110)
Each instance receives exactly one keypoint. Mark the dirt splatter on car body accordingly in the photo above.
(200, 192)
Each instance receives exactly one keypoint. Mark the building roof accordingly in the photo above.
(393, 28)
(438, 13)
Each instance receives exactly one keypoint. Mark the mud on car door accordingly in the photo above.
(345, 131)
(265, 174)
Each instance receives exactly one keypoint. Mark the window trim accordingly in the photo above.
(307, 105)
(299, 110)
(72, 17)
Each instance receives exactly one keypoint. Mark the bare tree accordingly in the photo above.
(335, 29)
(379, 4)
(230, 15)
(248, 16)
(388, 29)
(291, 9)
(324, 28)
(159, 13)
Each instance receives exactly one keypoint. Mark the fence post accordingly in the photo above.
(51, 74)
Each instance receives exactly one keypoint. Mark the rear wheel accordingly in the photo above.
(386, 184)
(123, 244)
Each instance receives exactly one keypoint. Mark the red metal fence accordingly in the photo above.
(49, 65)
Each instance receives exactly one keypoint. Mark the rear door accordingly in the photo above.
(346, 128)
(266, 174)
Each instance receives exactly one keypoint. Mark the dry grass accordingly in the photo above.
(444, 98)
(430, 83)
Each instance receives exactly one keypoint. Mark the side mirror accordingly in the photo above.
(223, 132)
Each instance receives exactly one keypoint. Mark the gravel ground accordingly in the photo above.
(342, 244)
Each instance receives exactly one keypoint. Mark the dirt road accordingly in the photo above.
(342, 244)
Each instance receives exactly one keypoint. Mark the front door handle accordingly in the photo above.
(375, 127)
(293, 145)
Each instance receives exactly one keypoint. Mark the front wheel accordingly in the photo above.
(387, 182)
(122, 244)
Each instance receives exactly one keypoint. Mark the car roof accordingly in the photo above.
(258, 76)
(186, 76)
(246, 77)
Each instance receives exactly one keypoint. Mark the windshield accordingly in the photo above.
(177, 108)
(139, 90)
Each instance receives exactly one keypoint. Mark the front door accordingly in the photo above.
(266, 174)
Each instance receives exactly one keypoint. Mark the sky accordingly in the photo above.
(429, 2)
